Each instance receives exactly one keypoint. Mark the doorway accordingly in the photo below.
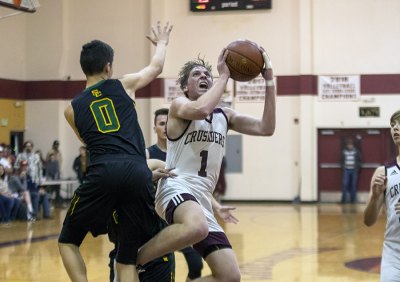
(376, 147)
(16, 141)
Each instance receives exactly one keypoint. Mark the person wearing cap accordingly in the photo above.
(18, 186)
(34, 162)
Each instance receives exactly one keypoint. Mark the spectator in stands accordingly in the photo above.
(56, 152)
(34, 162)
(10, 205)
(18, 187)
(39, 195)
(5, 160)
(53, 162)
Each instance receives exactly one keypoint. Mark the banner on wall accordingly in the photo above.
(339, 88)
(251, 91)
(173, 90)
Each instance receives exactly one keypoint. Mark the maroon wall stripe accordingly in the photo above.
(380, 84)
(287, 85)
(12, 89)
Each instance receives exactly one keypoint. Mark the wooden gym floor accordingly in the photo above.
(273, 242)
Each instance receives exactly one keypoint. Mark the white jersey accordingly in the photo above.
(390, 267)
(196, 157)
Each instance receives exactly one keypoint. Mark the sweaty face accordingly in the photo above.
(160, 126)
(199, 81)
(395, 131)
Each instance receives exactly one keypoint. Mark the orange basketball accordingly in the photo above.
(244, 60)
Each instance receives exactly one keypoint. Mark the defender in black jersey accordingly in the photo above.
(104, 118)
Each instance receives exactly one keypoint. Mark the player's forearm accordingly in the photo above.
(372, 210)
(157, 62)
(207, 102)
(269, 115)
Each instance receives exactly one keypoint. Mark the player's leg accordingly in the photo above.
(353, 186)
(223, 265)
(73, 262)
(189, 226)
(346, 182)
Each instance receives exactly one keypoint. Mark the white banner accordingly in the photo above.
(171, 90)
(251, 91)
(339, 88)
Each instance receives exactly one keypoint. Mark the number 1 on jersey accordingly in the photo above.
(204, 156)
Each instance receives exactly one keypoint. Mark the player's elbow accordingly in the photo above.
(268, 131)
(369, 221)
(202, 112)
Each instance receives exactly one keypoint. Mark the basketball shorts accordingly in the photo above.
(113, 182)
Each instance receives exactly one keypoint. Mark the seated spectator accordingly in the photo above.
(18, 187)
(39, 197)
(9, 204)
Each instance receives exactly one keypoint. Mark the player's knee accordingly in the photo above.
(199, 231)
(232, 276)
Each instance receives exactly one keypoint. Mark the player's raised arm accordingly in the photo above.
(264, 126)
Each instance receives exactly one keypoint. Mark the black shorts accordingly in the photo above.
(161, 269)
(113, 182)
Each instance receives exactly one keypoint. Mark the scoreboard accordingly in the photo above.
(228, 5)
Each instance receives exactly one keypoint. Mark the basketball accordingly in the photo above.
(244, 60)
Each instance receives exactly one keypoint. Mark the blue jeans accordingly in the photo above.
(38, 199)
(350, 179)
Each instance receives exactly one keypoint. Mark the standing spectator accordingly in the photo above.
(54, 157)
(104, 118)
(351, 163)
(55, 151)
(53, 173)
(384, 196)
(42, 160)
(81, 163)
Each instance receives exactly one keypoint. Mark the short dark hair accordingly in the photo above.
(187, 68)
(28, 142)
(95, 55)
(160, 112)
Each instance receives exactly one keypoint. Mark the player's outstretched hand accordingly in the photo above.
(160, 35)
(224, 212)
(222, 66)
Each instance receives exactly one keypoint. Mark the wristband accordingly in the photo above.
(267, 60)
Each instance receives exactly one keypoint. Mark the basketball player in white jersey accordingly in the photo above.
(196, 132)
(385, 192)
